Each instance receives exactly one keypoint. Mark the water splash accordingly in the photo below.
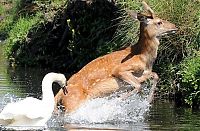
(11, 98)
(7, 98)
(111, 109)
(108, 112)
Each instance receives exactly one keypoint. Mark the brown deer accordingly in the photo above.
(133, 65)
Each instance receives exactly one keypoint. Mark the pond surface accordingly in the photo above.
(110, 113)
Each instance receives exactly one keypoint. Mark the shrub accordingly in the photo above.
(25, 18)
(190, 80)
(88, 29)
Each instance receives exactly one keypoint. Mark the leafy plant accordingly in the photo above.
(190, 80)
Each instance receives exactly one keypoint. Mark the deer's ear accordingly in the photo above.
(133, 14)
(148, 9)
(143, 18)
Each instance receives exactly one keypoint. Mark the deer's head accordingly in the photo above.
(150, 25)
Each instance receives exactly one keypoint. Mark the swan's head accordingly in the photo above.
(55, 77)
(61, 80)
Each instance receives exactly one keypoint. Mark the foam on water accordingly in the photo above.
(111, 109)
(7, 98)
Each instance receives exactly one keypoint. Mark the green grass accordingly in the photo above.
(8, 11)
(58, 3)
(175, 48)
(2, 10)
(18, 34)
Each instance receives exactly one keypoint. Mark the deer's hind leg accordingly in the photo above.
(103, 88)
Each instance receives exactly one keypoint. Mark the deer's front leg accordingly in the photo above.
(128, 77)
(147, 75)
(129, 74)
(153, 88)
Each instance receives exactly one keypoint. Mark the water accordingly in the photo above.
(109, 113)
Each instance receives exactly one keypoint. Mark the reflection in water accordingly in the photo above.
(20, 81)
(164, 115)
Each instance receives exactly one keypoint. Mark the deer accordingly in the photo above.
(132, 65)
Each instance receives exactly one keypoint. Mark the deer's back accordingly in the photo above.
(98, 69)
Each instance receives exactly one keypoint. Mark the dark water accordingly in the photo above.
(100, 114)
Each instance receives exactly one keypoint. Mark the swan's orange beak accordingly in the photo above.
(64, 88)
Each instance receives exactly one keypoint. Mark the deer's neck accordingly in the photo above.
(147, 47)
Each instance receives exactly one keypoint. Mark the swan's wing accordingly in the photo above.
(8, 113)
(34, 108)
(29, 107)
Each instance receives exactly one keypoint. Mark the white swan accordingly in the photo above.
(32, 112)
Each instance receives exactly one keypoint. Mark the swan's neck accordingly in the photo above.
(47, 92)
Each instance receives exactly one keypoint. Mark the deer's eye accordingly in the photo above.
(160, 23)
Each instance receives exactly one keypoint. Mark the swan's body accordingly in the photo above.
(31, 111)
